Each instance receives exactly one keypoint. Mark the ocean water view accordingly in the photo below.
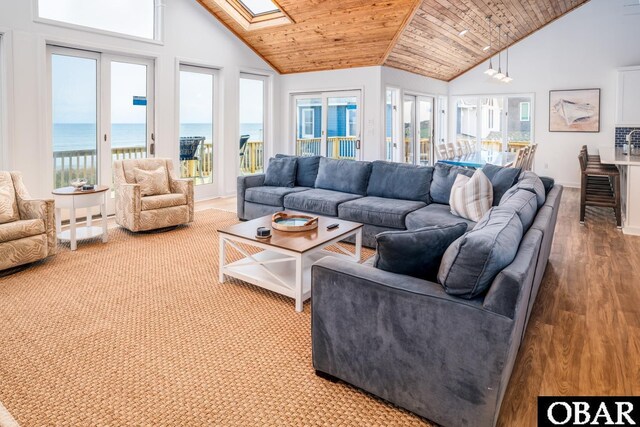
(82, 136)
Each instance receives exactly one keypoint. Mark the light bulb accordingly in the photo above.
(499, 76)
(507, 79)
(490, 72)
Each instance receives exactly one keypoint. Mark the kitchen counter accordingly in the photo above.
(615, 156)
(629, 166)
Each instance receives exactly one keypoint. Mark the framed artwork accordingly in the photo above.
(574, 110)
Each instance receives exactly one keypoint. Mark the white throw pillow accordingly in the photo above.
(471, 198)
(152, 182)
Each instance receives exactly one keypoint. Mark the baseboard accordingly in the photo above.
(569, 184)
(631, 231)
(6, 420)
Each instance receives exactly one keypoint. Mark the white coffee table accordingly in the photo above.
(72, 199)
(284, 263)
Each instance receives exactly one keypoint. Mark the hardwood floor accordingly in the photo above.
(584, 334)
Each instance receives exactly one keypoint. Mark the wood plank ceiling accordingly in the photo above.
(420, 36)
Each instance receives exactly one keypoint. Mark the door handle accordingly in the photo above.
(152, 146)
(357, 144)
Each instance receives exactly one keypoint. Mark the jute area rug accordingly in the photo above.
(139, 332)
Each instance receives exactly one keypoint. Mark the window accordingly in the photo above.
(254, 14)
(133, 18)
(352, 122)
(196, 124)
(253, 98)
(525, 111)
(308, 123)
(495, 122)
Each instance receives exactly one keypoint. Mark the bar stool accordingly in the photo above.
(599, 186)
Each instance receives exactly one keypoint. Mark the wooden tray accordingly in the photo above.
(293, 222)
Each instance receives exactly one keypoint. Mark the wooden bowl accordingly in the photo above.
(293, 222)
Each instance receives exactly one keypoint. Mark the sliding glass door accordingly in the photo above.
(328, 124)
(418, 129)
(101, 111)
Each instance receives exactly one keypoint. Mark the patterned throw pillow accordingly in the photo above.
(152, 182)
(471, 198)
(8, 204)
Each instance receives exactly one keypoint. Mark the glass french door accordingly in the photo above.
(418, 129)
(197, 145)
(101, 111)
(328, 124)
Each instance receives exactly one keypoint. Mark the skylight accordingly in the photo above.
(260, 7)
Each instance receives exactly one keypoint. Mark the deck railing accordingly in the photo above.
(252, 157)
(339, 147)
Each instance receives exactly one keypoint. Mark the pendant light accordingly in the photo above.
(499, 75)
(506, 78)
(490, 72)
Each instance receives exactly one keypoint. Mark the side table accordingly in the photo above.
(72, 199)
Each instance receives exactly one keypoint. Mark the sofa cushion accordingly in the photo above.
(501, 179)
(415, 253)
(434, 214)
(443, 178)
(8, 203)
(400, 181)
(272, 196)
(318, 201)
(472, 262)
(531, 182)
(347, 176)
(307, 170)
(281, 172)
(524, 203)
(20, 229)
(548, 183)
(163, 201)
(378, 211)
(152, 182)
(471, 198)
(149, 164)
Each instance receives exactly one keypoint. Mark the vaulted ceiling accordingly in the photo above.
(420, 36)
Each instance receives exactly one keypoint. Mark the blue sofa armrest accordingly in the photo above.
(407, 341)
(244, 182)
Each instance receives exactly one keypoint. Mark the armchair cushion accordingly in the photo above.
(8, 203)
(20, 229)
(152, 182)
(281, 172)
(163, 201)
(415, 253)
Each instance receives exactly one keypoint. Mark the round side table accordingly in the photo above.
(72, 199)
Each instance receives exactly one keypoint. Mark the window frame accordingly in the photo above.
(304, 133)
(248, 21)
(348, 115)
(158, 24)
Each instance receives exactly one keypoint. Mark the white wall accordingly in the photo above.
(190, 34)
(580, 50)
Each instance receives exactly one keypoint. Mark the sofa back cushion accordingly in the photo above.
(415, 253)
(307, 170)
(531, 182)
(347, 176)
(471, 198)
(281, 172)
(400, 181)
(443, 178)
(501, 179)
(8, 202)
(524, 203)
(472, 262)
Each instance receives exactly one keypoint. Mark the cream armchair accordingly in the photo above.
(136, 212)
(27, 226)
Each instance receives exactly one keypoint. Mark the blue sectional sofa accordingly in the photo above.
(408, 340)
